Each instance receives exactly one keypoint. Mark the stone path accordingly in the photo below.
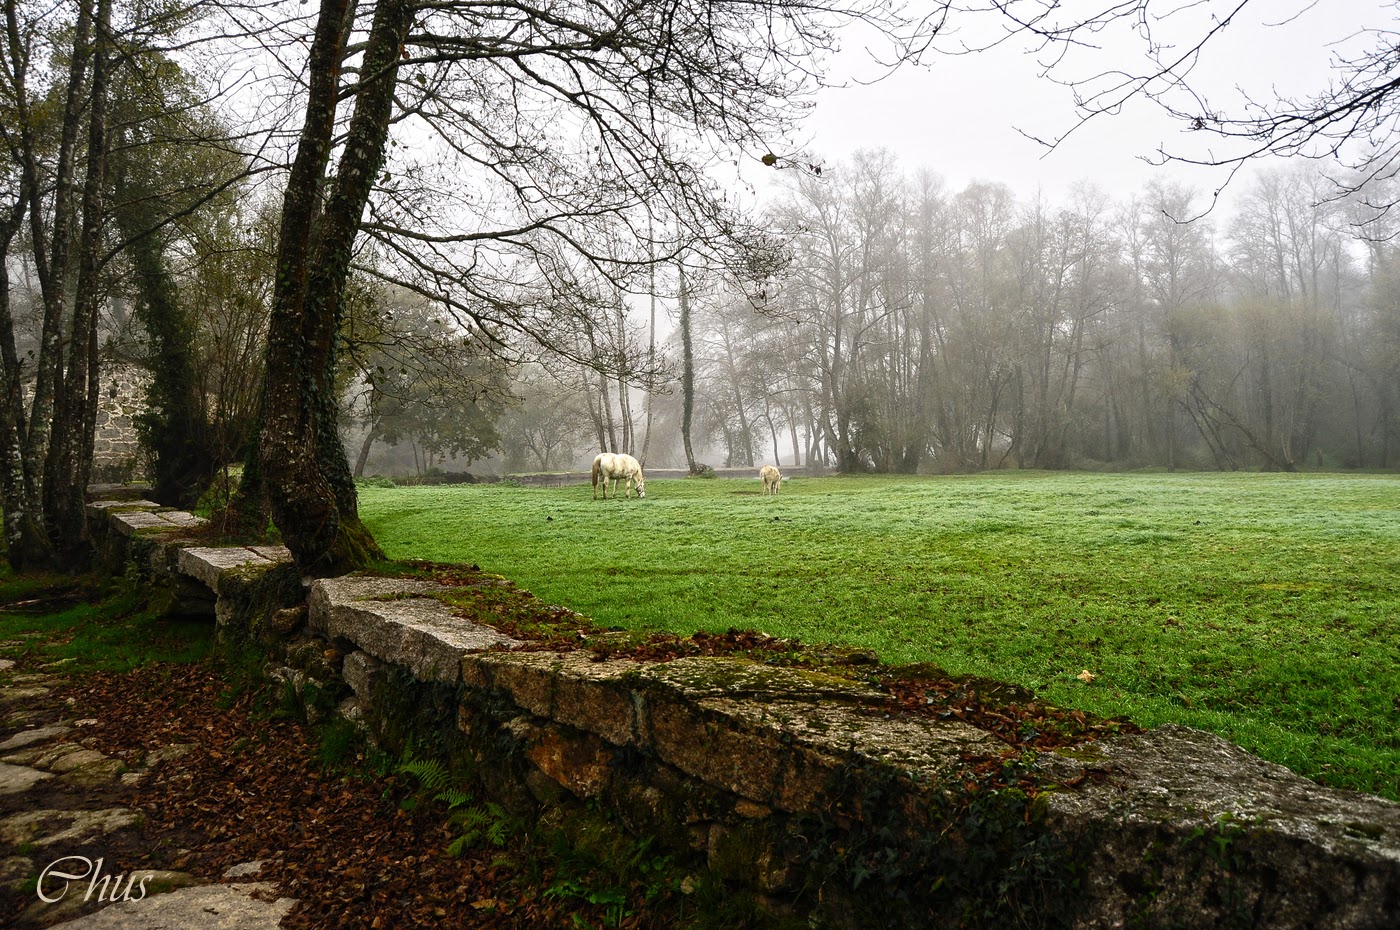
(68, 812)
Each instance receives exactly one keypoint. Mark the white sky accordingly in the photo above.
(959, 115)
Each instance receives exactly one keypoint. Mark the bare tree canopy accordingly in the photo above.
(1112, 54)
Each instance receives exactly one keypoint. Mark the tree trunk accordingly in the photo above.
(687, 376)
(363, 457)
(310, 486)
(745, 439)
(26, 539)
(173, 429)
(69, 462)
(624, 393)
(52, 265)
(651, 359)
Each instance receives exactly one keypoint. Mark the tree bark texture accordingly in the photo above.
(687, 376)
(309, 484)
(70, 451)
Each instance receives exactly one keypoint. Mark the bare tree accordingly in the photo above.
(1348, 124)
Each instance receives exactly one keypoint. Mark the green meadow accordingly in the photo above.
(1265, 608)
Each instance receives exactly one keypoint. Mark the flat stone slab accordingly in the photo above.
(1227, 833)
(48, 827)
(273, 553)
(15, 694)
(118, 491)
(206, 564)
(129, 524)
(97, 508)
(389, 620)
(243, 870)
(772, 735)
(242, 906)
(76, 764)
(17, 778)
(30, 737)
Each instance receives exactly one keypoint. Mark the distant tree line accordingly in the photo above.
(916, 328)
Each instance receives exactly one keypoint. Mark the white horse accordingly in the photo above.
(615, 467)
(772, 479)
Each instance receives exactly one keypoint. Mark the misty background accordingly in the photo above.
(984, 275)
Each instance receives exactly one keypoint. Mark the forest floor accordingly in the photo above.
(175, 766)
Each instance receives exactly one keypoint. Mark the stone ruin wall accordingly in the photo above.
(784, 783)
(116, 452)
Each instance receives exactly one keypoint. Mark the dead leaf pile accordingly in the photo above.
(252, 788)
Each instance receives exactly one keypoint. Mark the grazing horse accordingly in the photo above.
(615, 467)
(772, 479)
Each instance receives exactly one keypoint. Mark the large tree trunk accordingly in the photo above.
(69, 462)
(309, 484)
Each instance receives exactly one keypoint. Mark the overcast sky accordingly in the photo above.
(959, 115)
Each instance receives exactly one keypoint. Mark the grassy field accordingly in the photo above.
(1265, 608)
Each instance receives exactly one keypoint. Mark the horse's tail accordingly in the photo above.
(596, 469)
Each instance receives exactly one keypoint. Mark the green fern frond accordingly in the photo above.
(431, 774)
(452, 797)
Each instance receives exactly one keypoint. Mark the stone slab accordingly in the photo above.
(1227, 833)
(118, 491)
(49, 827)
(570, 687)
(205, 564)
(15, 779)
(385, 618)
(96, 508)
(129, 524)
(273, 553)
(329, 593)
(241, 906)
(30, 737)
(435, 639)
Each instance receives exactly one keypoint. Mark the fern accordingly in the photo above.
(488, 822)
(431, 774)
(452, 797)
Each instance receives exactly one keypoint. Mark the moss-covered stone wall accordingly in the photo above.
(812, 793)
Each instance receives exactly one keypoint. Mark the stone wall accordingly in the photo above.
(116, 455)
(117, 451)
(810, 790)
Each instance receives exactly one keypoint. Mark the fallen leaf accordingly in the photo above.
(1086, 676)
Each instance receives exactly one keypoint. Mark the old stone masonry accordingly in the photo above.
(68, 812)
